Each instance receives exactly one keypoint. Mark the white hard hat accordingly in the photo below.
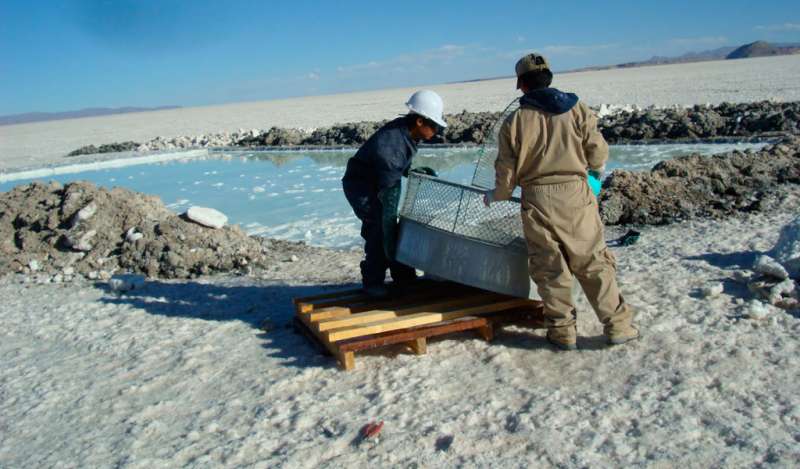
(428, 104)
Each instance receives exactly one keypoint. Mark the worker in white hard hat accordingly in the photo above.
(371, 184)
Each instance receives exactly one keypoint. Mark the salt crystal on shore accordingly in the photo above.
(787, 249)
(122, 283)
(769, 266)
(757, 310)
(207, 217)
(712, 290)
(83, 243)
(85, 213)
(776, 293)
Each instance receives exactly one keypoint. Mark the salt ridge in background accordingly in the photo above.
(744, 80)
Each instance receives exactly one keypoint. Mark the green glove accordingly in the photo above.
(425, 170)
(598, 173)
(390, 200)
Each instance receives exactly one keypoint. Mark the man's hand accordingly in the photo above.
(488, 197)
(425, 170)
(598, 173)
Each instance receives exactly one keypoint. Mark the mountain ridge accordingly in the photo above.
(753, 49)
(30, 117)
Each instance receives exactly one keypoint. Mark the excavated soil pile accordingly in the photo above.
(701, 122)
(726, 120)
(702, 186)
(82, 229)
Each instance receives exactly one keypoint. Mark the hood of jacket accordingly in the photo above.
(549, 100)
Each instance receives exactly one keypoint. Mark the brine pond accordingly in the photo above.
(294, 195)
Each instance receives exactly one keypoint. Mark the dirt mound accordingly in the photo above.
(701, 122)
(82, 229)
(701, 186)
(107, 148)
(743, 120)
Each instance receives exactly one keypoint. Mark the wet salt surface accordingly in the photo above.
(297, 195)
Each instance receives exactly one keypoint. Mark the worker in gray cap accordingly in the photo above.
(548, 147)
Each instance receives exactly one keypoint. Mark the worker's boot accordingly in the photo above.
(618, 334)
(618, 327)
(404, 277)
(563, 337)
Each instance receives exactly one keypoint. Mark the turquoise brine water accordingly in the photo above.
(297, 195)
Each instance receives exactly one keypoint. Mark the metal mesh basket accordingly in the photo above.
(458, 209)
(487, 154)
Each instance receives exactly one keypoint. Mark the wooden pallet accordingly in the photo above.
(347, 321)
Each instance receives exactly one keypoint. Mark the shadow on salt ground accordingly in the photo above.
(730, 260)
(267, 308)
(527, 339)
(742, 260)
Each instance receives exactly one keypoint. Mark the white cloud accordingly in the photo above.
(698, 41)
(313, 76)
(441, 55)
(576, 50)
(557, 50)
(779, 27)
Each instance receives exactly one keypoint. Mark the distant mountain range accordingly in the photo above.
(88, 112)
(754, 49)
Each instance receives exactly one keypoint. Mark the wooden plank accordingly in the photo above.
(418, 319)
(347, 360)
(306, 305)
(302, 328)
(378, 315)
(403, 336)
(486, 332)
(327, 313)
(333, 349)
(319, 314)
(410, 299)
(354, 319)
(419, 346)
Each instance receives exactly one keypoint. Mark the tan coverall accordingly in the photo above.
(548, 155)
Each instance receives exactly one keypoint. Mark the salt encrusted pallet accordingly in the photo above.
(345, 322)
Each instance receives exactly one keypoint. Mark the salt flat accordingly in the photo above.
(178, 374)
(683, 84)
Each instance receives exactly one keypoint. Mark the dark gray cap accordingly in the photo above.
(530, 63)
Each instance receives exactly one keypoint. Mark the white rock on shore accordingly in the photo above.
(132, 235)
(85, 213)
(207, 217)
(82, 242)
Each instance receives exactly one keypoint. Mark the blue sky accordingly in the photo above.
(65, 55)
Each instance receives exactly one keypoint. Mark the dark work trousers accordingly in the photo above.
(369, 210)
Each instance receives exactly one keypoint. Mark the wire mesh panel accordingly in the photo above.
(487, 154)
(458, 209)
